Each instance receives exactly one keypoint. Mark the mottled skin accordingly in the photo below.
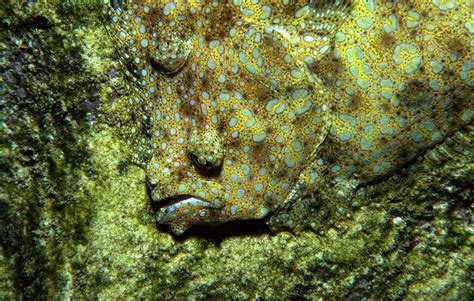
(253, 107)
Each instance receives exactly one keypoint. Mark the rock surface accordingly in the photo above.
(75, 217)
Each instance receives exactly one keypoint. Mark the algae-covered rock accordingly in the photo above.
(76, 219)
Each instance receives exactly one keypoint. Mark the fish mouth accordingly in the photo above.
(174, 202)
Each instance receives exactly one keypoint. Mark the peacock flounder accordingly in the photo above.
(251, 106)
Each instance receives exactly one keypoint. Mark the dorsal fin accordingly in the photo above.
(118, 29)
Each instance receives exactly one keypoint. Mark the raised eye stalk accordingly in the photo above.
(205, 150)
(171, 53)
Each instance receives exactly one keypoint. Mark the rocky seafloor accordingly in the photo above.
(75, 216)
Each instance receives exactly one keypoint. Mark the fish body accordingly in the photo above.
(252, 106)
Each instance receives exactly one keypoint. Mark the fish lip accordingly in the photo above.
(178, 198)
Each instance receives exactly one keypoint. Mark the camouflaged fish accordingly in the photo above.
(252, 106)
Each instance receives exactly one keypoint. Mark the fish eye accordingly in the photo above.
(172, 53)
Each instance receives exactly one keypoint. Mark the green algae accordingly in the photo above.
(75, 218)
